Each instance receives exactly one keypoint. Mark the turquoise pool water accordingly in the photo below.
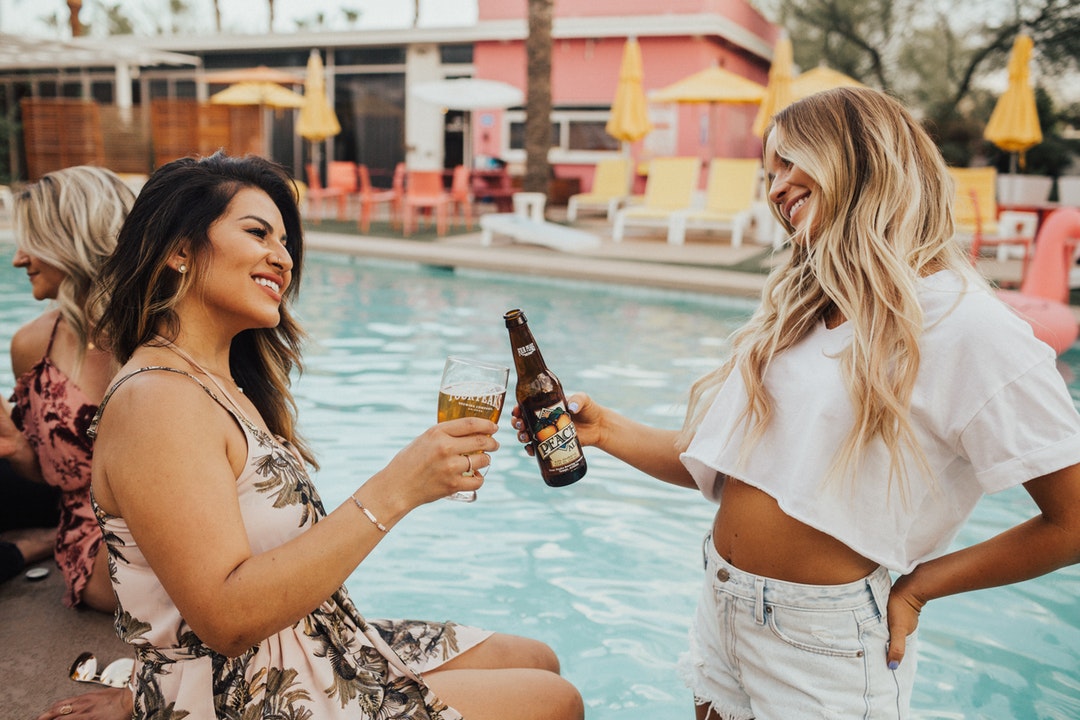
(607, 570)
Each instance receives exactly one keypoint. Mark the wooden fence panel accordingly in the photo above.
(59, 133)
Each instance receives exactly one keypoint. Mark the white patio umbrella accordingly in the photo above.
(468, 94)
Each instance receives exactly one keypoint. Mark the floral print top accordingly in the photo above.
(54, 414)
(331, 664)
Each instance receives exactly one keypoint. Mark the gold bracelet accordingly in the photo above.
(368, 514)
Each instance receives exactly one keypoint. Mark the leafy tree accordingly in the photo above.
(932, 53)
(538, 96)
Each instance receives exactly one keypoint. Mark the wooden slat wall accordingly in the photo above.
(59, 133)
(127, 140)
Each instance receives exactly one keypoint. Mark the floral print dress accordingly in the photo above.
(331, 664)
(54, 414)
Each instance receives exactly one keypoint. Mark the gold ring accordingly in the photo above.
(66, 709)
(469, 472)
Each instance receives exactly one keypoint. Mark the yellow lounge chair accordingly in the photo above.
(975, 204)
(729, 199)
(610, 187)
(669, 189)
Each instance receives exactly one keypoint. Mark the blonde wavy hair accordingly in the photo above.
(69, 219)
(881, 219)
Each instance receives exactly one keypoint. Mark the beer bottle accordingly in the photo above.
(543, 408)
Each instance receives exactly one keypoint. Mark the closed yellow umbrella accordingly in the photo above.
(629, 113)
(317, 119)
(818, 79)
(778, 91)
(1014, 124)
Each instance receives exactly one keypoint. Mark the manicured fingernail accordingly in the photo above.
(574, 407)
(893, 664)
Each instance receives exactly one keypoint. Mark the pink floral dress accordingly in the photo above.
(54, 415)
(331, 665)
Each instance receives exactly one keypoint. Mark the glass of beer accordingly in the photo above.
(471, 388)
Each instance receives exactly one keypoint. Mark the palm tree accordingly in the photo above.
(74, 6)
(217, 15)
(538, 96)
(271, 4)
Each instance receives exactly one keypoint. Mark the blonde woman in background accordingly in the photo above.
(65, 227)
(877, 393)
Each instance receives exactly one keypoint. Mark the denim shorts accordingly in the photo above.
(773, 650)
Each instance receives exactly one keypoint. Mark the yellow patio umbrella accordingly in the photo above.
(260, 73)
(711, 85)
(258, 93)
(317, 120)
(1014, 123)
(629, 112)
(820, 78)
(778, 91)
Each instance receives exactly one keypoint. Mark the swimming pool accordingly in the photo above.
(607, 570)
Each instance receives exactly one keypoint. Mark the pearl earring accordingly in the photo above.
(182, 269)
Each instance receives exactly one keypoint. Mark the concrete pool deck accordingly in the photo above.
(41, 638)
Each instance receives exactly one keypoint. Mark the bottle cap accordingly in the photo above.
(514, 318)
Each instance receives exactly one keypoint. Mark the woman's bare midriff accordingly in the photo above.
(752, 533)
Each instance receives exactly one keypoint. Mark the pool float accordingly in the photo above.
(1043, 298)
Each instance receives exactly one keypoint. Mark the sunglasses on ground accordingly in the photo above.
(116, 674)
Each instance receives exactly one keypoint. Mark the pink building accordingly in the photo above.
(677, 39)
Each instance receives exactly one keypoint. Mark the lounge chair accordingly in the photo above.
(975, 203)
(729, 199)
(610, 188)
(975, 209)
(669, 189)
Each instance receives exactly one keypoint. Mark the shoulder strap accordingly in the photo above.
(92, 430)
(52, 335)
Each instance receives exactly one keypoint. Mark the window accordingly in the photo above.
(577, 135)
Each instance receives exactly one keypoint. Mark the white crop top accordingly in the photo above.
(990, 410)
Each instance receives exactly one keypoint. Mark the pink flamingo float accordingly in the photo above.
(1043, 298)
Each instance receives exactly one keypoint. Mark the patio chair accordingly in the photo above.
(669, 189)
(342, 174)
(424, 192)
(461, 198)
(610, 188)
(371, 196)
(729, 199)
(316, 193)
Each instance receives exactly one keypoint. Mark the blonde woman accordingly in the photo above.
(65, 227)
(878, 391)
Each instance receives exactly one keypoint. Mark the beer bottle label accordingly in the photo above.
(556, 438)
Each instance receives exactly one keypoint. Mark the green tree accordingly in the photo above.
(538, 96)
(932, 54)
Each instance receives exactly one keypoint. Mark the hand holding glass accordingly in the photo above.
(471, 388)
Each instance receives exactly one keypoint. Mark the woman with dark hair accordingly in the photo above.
(228, 571)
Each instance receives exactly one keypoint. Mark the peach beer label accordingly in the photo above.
(556, 438)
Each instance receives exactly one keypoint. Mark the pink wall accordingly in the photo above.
(585, 71)
(738, 10)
